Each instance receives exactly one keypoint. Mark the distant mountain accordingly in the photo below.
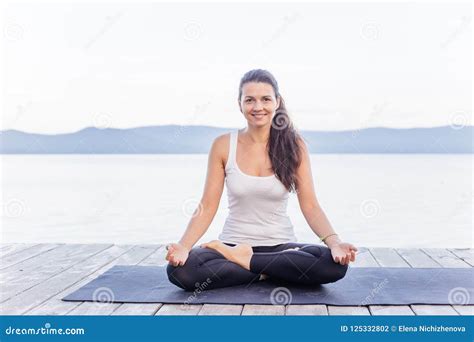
(198, 139)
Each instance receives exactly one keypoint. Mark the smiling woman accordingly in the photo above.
(260, 166)
(264, 108)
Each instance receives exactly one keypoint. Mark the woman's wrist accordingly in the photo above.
(332, 240)
(185, 245)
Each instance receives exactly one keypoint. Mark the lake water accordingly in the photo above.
(391, 200)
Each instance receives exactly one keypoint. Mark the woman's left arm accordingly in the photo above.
(342, 252)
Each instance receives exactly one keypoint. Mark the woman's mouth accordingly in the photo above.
(258, 116)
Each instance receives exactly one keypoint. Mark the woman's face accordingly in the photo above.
(258, 103)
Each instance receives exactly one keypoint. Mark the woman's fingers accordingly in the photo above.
(173, 260)
(169, 255)
(353, 256)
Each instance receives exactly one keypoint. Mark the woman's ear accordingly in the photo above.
(278, 102)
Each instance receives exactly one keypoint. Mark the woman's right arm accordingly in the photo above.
(207, 208)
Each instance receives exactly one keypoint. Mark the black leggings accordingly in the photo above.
(207, 269)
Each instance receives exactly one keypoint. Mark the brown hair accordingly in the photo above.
(283, 148)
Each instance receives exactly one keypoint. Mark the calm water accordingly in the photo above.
(371, 200)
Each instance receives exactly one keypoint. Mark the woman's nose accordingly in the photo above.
(258, 105)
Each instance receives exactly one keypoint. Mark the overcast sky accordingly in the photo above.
(339, 66)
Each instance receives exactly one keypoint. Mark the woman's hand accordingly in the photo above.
(177, 254)
(343, 252)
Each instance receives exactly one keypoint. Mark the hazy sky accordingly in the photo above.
(339, 66)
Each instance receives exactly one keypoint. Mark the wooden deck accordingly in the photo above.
(34, 278)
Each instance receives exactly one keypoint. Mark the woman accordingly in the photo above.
(260, 165)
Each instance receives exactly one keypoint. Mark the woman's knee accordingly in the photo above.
(181, 276)
(327, 274)
(326, 270)
(338, 272)
(188, 276)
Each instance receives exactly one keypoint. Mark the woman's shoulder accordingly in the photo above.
(302, 144)
(220, 146)
(222, 141)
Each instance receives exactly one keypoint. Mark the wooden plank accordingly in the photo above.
(388, 257)
(29, 273)
(93, 309)
(75, 276)
(364, 259)
(221, 310)
(348, 310)
(171, 309)
(445, 258)
(137, 309)
(434, 310)
(306, 310)
(417, 258)
(117, 255)
(12, 248)
(391, 310)
(46, 290)
(4, 246)
(179, 309)
(465, 254)
(157, 258)
(464, 310)
(261, 310)
(25, 254)
(96, 308)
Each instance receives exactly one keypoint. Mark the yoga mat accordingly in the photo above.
(360, 286)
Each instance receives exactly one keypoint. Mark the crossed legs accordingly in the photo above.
(221, 265)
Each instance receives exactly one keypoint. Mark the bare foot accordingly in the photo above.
(240, 254)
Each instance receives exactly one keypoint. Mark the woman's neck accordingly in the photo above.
(257, 135)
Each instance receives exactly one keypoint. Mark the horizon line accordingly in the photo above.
(220, 127)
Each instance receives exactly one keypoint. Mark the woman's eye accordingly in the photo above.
(248, 100)
(267, 99)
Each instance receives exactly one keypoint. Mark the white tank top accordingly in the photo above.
(257, 206)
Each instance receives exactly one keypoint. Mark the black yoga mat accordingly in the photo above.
(360, 286)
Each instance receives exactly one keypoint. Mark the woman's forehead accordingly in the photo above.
(257, 89)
